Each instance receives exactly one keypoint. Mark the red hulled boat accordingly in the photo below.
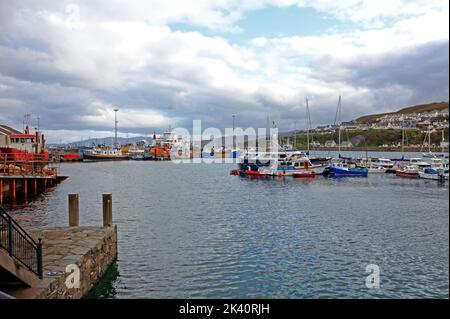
(408, 171)
(304, 175)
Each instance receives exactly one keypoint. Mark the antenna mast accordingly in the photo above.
(26, 120)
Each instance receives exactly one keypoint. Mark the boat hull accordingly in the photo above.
(407, 174)
(435, 177)
(255, 174)
(95, 157)
(16, 155)
(337, 171)
(433, 174)
(377, 170)
(304, 175)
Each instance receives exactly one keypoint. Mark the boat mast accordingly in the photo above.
(307, 124)
(26, 121)
(115, 128)
(268, 136)
(295, 135)
(339, 117)
(429, 139)
(403, 137)
(443, 140)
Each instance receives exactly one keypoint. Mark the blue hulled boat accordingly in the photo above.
(341, 170)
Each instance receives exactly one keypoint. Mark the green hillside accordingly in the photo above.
(371, 138)
(408, 110)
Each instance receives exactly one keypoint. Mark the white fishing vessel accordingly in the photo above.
(105, 153)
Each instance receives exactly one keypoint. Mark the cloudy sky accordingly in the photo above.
(167, 62)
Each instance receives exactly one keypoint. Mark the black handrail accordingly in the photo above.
(19, 244)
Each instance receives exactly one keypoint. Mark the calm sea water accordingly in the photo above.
(194, 231)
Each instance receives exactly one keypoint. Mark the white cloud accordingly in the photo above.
(85, 57)
(100, 115)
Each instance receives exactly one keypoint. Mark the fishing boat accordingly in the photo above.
(347, 169)
(410, 171)
(431, 173)
(105, 153)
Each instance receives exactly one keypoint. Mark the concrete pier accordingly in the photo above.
(91, 249)
(74, 258)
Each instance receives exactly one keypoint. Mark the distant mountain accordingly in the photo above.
(437, 106)
(106, 141)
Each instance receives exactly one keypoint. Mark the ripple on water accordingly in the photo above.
(193, 231)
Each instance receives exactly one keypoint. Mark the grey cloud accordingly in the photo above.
(393, 80)
(183, 90)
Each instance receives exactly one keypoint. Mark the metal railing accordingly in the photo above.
(19, 244)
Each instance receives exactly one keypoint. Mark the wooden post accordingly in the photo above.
(107, 210)
(34, 186)
(74, 212)
(12, 189)
(25, 188)
(1, 191)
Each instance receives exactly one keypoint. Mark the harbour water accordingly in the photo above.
(194, 231)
